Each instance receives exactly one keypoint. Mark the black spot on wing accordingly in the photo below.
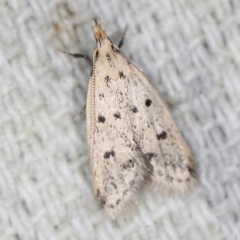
(121, 75)
(117, 115)
(109, 154)
(134, 110)
(148, 102)
(129, 163)
(150, 155)
(108, 57)
(162, 135)
(109, 60)
(101, 119)
(107, 80)
(102, 201)
(101, 96)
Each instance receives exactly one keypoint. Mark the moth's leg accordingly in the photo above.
(79, 55)
(81, 113)
(122, 38)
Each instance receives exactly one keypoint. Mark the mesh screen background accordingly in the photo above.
(189, 49)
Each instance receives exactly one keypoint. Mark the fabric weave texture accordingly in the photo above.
(191, 52)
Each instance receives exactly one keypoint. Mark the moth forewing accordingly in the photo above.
(132, 138)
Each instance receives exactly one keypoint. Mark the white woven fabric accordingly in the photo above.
(191, 51)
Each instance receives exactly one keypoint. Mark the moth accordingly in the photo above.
(133, 140)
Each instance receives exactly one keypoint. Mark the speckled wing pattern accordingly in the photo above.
(132, 138)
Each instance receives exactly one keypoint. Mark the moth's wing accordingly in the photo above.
(132, 137)
(165, 152)
(118, 171)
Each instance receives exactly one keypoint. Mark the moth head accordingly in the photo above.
(98, 30)
(100, 34)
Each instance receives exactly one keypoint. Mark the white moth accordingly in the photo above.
(132, 139)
